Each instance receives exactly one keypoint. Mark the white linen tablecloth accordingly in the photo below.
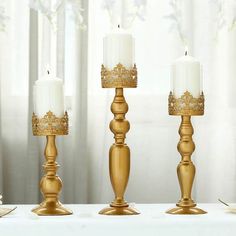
(152, 221)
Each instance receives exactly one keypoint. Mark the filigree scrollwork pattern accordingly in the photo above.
(50, 125)
(119, 77)
(186, 105)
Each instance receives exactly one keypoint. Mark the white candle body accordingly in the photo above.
(49, 96)
(118, 47)
(186, 76)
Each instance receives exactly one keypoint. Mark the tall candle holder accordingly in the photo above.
(186, 106)
(119, 155)
(50, 185)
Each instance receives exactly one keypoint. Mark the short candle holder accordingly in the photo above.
(119, 155)
(186, 106)
(50, 184)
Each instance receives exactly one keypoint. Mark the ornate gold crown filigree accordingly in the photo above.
(50, 125)
(186, 105)
(119, 77)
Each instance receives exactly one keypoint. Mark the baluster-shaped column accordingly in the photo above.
(119, 157)
(50, 184)
(186, 168)
(186, 106)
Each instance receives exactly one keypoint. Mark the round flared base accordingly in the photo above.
(126, 210)
(51, 209)
(186, 211)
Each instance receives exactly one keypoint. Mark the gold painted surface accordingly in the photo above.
(113, 211)
(186, 211)
(51, 184)
(119, 77)
(186, 170)
(186, 105)
(50, 125)
(119, 158)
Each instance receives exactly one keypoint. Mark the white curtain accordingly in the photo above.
(28, 45)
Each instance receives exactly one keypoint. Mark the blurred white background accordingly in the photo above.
(29, 44)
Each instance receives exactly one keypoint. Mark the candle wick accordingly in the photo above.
(48, 72)
(118, 26)
(186, 53)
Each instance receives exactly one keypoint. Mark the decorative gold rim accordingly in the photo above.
(186, 105)
(119, 77)
(50, 125)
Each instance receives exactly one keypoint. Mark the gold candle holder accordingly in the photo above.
(119, 155)
(50, 184)
(186, 106)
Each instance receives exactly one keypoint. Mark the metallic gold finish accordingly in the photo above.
(50, 125)
(186, 170)
(186, 105)
(50, 184)
(186, 211)
(119, 77)
(119, 158)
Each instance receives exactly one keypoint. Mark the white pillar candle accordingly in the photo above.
(49, 96)
(118, 47)
(186, 76)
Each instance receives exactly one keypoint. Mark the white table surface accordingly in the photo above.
(152, 221)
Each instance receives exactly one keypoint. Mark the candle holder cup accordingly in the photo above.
(186, 106)
(50, 185)
(119, 156)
